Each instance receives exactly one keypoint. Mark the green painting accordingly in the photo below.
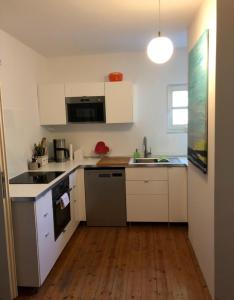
(198, 103)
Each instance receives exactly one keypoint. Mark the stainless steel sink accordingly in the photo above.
(149, 160)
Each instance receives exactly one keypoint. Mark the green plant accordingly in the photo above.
(38, 150)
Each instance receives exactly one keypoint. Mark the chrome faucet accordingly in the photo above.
(146, 152)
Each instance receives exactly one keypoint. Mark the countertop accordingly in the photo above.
(35, 190)
(29, 191)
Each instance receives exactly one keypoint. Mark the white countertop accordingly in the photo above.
(34, 190)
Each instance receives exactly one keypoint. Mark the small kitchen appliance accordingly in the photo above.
(61, 153)
(86, 109)
(61, 213)
(105, 196)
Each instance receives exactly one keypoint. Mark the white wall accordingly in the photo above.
(19, 72)
(224, 149)
(201, 186)
(150, 82)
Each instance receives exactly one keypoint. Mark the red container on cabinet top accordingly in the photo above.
(116, 76)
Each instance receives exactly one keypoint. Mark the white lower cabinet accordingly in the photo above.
(74, 197)
(45, 235)
(147, 194)
(80, 192)
(35, 247)
(156, 194)
(147, 208)
(178, 206)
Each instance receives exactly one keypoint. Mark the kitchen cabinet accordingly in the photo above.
(81, 195)
(82, 89)
(35, 245)
(119, 102)
(147, 194)
(74, 199)
(35, 248)
(156, 194)
(177, 194)
(51, 104)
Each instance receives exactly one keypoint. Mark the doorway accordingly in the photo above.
(8, 284)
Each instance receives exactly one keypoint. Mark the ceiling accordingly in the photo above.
(70, 27)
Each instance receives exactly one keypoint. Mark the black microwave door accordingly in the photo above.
(85, 112)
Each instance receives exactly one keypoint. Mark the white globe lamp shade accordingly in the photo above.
(160, 49)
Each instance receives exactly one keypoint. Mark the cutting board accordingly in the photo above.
(113, 161)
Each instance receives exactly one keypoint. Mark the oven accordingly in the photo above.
(61, 210)
(86, 109)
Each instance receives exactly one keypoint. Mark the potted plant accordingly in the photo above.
(40, 152)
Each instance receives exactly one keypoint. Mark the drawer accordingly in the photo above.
(147, 208)
(139, 173)
(46, 253)
(44, 212)
(45, 235)
(146, 187)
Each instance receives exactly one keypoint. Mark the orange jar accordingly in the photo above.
(116, 76)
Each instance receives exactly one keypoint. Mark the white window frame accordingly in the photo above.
(170, 127)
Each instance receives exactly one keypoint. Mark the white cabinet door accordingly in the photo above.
(177, 194)
(147, 194)
(51, 102)
(119, 102)
(45, 235)
(147, 208)
(84, 89)
(74, 197)
(81, 195)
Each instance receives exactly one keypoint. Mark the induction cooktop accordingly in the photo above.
(35, 177)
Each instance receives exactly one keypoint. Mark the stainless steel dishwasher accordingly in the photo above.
(105, 196)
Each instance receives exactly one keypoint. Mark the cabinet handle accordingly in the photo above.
(146, 181)
(47, 234)
(45, 215)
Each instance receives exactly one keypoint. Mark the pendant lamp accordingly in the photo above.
(160, 49)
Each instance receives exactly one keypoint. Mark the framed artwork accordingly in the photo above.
(198, 103)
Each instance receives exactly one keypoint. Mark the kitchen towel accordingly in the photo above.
(64, 200)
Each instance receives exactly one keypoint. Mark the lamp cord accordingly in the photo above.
(159, 18)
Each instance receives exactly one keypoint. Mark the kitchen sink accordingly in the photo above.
(149, 160)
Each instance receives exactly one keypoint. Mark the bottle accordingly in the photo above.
(136, 154)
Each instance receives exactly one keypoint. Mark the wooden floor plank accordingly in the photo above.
(140, 261)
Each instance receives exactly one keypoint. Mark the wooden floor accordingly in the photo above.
(137, 262)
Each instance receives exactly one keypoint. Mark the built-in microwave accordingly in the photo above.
(86, 109)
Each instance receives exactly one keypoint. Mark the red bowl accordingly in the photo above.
(116, 76)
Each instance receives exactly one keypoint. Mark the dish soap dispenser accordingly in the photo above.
(136, 154)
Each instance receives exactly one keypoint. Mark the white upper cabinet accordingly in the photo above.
(84, 89)
(51, 102)
(119, 102)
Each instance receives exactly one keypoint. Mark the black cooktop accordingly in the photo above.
(35, 177)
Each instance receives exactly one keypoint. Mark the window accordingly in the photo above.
(177, 108)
